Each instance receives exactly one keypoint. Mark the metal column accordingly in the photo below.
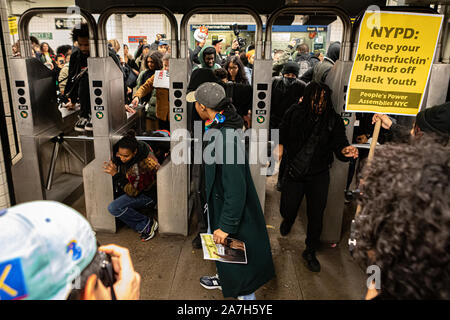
(110, 122)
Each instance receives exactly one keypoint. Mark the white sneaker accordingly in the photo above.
(209, 283)
(88, 126)
(81, 124)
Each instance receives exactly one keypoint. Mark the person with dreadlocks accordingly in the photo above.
(310, 132)
(133, 169)
(233, 207)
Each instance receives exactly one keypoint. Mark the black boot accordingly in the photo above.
(311, 260)
(197, 242)
(278, 186)
(285, 228)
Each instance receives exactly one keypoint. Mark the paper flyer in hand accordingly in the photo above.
(233, 252)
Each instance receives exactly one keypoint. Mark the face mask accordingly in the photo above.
(288, 81)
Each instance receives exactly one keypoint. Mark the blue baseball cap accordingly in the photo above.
(162, 43)
(45, 246)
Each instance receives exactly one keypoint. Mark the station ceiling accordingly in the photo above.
(261, 6)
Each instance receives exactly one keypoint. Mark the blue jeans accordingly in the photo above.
(124, 208)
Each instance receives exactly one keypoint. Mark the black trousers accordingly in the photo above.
(198, 194)
(316, 190)
(282, 168)
(85, 97)
(164, 125)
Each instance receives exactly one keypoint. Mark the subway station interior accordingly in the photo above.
(44, 157)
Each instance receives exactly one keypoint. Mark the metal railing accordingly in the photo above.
(105, 15)
(221, 10)
(313, 10)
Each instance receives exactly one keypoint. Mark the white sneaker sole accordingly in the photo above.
(79, 129)
(210, 288)
(89, 129)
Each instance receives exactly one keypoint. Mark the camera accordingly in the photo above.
(241, 41)
(101, 266)
(106, 272)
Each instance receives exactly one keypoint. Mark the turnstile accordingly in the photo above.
(109, 122)
(49, 169)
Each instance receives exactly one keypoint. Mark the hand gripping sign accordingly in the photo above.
(393, 62)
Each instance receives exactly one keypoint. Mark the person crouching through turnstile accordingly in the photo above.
(233, 205)
(310, 132)
(133, 169)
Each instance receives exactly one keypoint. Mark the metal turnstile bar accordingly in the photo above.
(51, 171)
(79, 138)
(72, 151)
(160, 139)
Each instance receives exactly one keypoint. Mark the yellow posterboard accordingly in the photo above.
(12, 21)
(393, 62)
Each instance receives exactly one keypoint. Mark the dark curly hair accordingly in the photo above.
(82, 32)
(404, 225)
(128, 141)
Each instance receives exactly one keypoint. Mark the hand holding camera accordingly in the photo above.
(127, 281)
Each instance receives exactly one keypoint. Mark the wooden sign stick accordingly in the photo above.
(373, 144)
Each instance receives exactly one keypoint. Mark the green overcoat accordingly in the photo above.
(234, 207)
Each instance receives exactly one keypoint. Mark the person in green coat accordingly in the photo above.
(207, 58)
(234, 209)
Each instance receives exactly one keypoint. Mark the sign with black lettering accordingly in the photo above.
(12, 22)
(178, 110)
(393, 62)
(99, 108)
(261, 112)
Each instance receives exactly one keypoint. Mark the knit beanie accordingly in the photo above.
(291, 67)
(435, 119)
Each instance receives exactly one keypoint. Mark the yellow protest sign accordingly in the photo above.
(12, 21)
(393, 62)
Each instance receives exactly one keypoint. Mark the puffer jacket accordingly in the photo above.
(162, 98)
(139, 174)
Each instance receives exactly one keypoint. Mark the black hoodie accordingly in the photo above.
(285, 93)
(297, 128)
